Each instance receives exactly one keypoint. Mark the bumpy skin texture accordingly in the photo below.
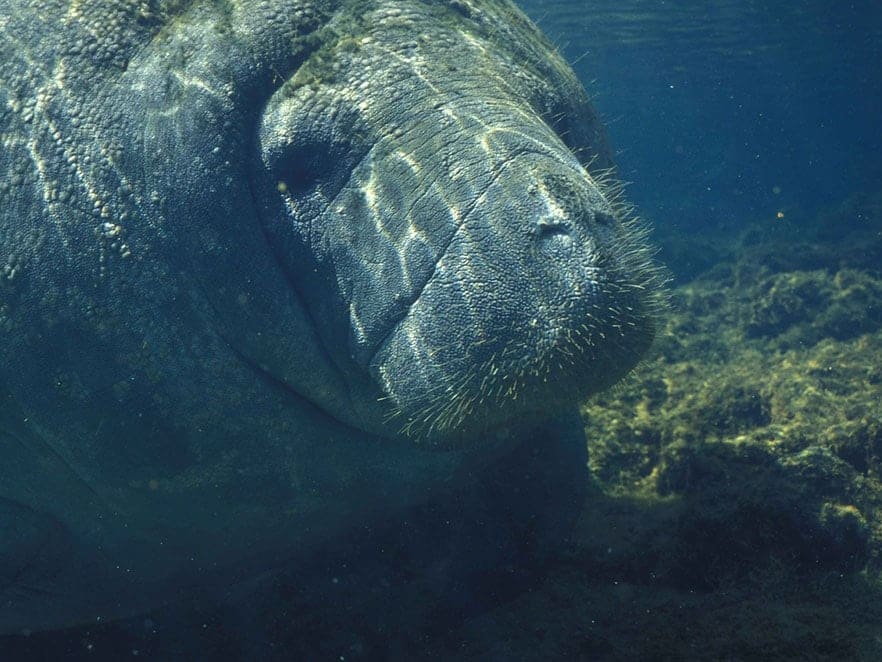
(269, 269)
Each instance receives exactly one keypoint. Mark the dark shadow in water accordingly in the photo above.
(377, 593)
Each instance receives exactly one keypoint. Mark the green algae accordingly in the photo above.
(761, 418)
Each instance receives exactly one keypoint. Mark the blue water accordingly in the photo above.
(730, 111)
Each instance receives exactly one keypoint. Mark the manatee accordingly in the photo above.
(271, 271)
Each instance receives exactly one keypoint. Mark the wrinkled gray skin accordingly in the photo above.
(271, 270)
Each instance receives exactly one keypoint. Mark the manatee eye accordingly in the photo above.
(314, 164)
(307, 157)
(304, 167)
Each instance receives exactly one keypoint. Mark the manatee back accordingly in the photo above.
(108, 331)
(128, 429)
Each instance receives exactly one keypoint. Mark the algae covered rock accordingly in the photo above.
(804, 307)
(747, 453)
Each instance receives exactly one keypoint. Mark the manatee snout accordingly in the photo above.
(438, 206)
(540, 299)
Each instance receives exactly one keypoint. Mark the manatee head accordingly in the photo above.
(435, 190)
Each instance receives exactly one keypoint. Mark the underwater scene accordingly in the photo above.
(617, 397)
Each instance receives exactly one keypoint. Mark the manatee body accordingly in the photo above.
(277, 269)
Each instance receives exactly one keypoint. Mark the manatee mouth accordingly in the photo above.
(467, 390)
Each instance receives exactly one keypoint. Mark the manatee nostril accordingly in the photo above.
(547, 230)
(553, 237)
